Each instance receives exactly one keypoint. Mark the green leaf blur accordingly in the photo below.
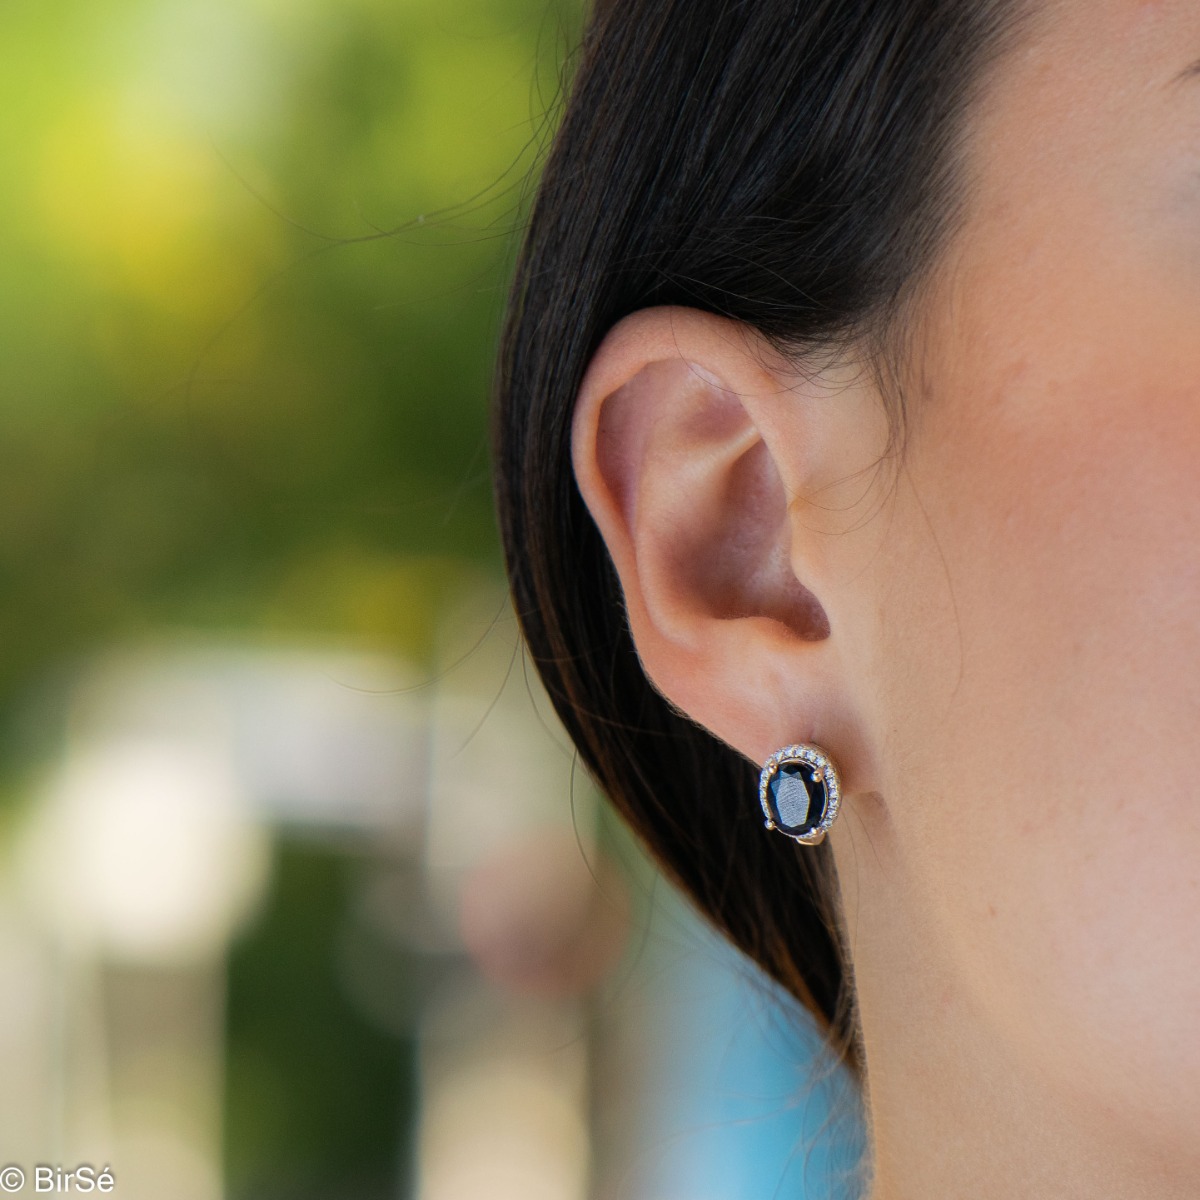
(253, 257)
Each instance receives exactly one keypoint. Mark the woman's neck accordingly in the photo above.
(955, 1113)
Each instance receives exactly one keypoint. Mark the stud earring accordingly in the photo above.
(800, 791)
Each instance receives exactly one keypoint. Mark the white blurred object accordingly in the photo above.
(150, 843)
(503, 1069)
(144, 851)
(501, 767)
(317, 738)
(147, 847)
(503, 1093)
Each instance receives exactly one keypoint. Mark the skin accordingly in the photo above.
(997, 639)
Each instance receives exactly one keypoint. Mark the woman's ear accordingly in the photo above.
(698, 453)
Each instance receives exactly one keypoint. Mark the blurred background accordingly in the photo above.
(301, 894)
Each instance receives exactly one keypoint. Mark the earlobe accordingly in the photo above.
(687, 483)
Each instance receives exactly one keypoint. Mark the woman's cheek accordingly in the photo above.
(1047, 795)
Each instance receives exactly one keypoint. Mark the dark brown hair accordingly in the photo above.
(792, 164)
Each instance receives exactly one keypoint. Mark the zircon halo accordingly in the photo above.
(799, 792)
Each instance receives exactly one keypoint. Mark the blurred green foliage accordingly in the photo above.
(252, 260)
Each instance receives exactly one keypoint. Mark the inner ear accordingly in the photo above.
(746, 570)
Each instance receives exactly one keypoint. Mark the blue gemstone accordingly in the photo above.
(796, 800)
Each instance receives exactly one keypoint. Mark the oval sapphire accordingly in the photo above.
(797, 801)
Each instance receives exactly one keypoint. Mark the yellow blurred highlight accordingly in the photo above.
(376, 600)
(134, 202)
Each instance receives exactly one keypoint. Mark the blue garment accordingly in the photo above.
(737, 1108)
